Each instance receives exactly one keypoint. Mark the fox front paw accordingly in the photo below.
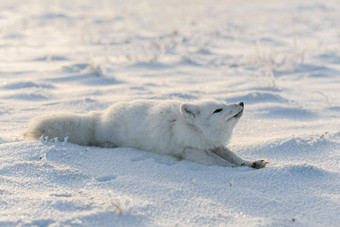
(258, 164)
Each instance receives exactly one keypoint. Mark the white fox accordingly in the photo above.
(197, 131)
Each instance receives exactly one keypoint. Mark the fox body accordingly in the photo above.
(197, 131)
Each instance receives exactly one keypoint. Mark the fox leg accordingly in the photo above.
(206, 158)
(230, 156)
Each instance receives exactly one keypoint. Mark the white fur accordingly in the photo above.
(189, 131)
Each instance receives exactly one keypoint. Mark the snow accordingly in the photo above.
(281, 58)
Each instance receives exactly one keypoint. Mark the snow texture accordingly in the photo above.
(281, 58)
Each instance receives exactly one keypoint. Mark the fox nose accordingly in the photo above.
(241, 104)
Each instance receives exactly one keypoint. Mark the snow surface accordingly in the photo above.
(282, 58)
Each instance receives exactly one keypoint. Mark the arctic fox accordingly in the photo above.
(197, 131)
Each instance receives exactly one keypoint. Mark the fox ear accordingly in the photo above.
(190, 110)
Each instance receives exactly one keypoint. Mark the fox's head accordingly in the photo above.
(212, 121)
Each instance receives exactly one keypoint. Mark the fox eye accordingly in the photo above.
(218, 110)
